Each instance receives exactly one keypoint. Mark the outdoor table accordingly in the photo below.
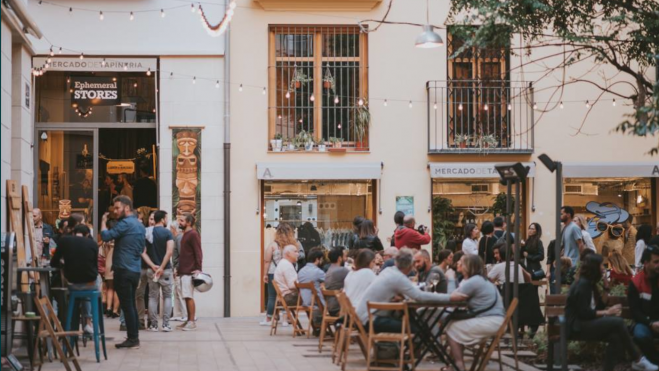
(425, 317)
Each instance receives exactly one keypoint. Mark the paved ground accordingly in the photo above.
(236, 344)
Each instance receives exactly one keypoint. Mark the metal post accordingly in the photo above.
(227, 175)
(506, 288)
(559, 230)
(518, 234)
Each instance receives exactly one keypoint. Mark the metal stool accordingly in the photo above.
(97, 316)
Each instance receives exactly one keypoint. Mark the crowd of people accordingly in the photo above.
(476, 273)
(140, 256)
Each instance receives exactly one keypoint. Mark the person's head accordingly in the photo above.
(445, 257)
(144, 170)
(567, 214)
(160, 217)
(71, 223)
(285, 235)
(591, 268)
(365, 259)
(472, 265)
(366, 228)
(405, 260)
(122, 179)
(644, 232)
(356, 222)
(186, 221)
(422, 261)
(37, 216)
(650, 261)
(63, 225)
(335, 255)
(581, 221)
(618, 263)
(499, 222)
(535, 230)
(123, 206)
(79, 218)
(498, 251)
(108, 180)
(316, 256)
(471, 231)
(566, 265)
(81, 230)
(151, 221)
(399, 216)
(389, 253)
(585, 253)
(457, 265)
(291, 253)
(487, 228)
(409, 221)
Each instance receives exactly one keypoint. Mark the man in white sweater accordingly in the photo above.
(392, 285)
(286, 276)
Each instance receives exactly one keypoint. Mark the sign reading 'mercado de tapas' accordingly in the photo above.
(91, 64)
(121, 167)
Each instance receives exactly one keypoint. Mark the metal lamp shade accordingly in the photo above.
(428, 38)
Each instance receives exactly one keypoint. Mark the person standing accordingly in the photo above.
(532, 249)
(470, 243)
(410, 237)
(42, 233)
(126, 188)
(180, 312)
(582, 222)
(158, 253)
(572, 236)
(643, 237)
(500, 229)
(399, 216)
(367, 237)
(145, 189)
(190, 263)
(643, 298)
(128, 235)
(487, 242)
(628, 249)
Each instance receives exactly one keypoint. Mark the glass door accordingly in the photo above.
(66, 181)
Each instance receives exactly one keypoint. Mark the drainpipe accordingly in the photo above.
(227, 175)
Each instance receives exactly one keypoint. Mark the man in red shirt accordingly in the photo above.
(189, 265)
(410, 237)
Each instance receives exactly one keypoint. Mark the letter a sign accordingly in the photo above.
(267, 174)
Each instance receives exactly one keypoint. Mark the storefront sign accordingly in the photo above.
(316, 171)
(110, 64)
(405, 204)
(120, 167)
(470, 170)
(94, 91)
(610, 170)
(84, 162)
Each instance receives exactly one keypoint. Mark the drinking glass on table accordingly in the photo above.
(433, 279)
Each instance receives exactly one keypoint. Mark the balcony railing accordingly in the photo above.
(480, 116)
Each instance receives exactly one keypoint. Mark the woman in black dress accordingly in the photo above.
(533, 250)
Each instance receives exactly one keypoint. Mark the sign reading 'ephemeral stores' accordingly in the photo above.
(94, 91)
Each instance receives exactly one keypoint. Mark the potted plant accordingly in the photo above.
(461, 140)
(337, 145)
(487, 141)
(322, 147)
(299, 78)
(276, 143)
(328, 80)
(361, 123)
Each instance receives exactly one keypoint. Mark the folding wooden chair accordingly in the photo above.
(51, 328)
(280, 304)
(328, 320)
(405, 336)
(308, 310)
(482, 356)
(353, 328)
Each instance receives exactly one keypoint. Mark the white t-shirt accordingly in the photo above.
(498, 273)
(588, 240)
(285, 277)
(356, 283)
(470, 246)
(638, 252)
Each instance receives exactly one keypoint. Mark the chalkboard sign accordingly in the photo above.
(84, 162)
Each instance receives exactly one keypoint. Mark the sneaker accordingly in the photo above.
(166, 328)
(153, 328)
(129, 344)
(190, 326)
(266, 322)
(285, 324)
(181, 325)
(644, 365)
(178, 319)
(123, 328)
(89, 329)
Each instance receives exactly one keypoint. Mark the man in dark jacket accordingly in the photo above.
(643, 297)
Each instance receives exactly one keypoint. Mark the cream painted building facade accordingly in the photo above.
(412, 153)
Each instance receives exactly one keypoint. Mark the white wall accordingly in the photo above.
(185, 104)
(21, 116)
(6, 117)
(179, 33)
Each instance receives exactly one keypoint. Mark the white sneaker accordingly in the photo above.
(153, 328)
(265, 322)
(166, 328)
(285, 324)
(177, 319)
(644, 365)
(89, 329)
(190, 326)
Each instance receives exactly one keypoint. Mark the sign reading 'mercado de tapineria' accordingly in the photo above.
(94, 91)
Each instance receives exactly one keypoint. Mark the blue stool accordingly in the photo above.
(97, 316)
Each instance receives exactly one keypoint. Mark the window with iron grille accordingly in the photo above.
(317, 79)
(479, 92)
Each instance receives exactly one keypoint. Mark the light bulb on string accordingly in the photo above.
(194, 80)
(510, 107)
(614, 102)
(100, 16)
(60, 50)
(103, 63)
(125, 67)
(82, 55)
(148, 72)
(192, 9)
(562, 106)
(288, 95)
(68, 80)
(360, 102)
(132, 16)
(162, 13)
(434, 106)
(135, 85)
(338, 126)
(264, 91)
(486, 107)
(460, 107)
(535, 105)
(240, 88)
(49, 60)
(52, 53)
(312, 97)
(385, 102)
(587, 104)
(410, 105)
(217, 84)
(336, 99)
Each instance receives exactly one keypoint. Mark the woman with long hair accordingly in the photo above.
(486, 243)
(621, 273)
(111, 297)
(532, 249)
(470, 243)
(589, 319)
(356, 223)
(368, 238)
(643, 237)
(284, 236)
(582, 222)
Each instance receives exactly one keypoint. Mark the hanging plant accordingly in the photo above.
(328, 80)
(299, 79)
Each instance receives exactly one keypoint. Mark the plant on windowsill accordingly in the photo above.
(276, 143)
(361, 123)
(322, 147)
(337, 144)
(290, 144)
(299, 79)
(305, 140)
(461, 140)
(487, 141)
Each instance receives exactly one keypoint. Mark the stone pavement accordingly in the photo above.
(226, 344)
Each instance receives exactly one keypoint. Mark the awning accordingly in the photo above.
(471, 169)
(610, 170)
(318, 171)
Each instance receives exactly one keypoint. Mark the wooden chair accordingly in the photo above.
(353, 328)
(555, 309)
(280, 305)
(482, 356)
(405, 336)
(328, 320)
(51, 328)
(308, 310)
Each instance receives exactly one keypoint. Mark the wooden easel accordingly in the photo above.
(29, 224)
(16, 218)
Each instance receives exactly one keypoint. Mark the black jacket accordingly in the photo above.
(535, 257)
(80, 256)
(578, 307)
(370, 242)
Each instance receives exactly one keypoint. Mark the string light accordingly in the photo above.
(614, 102)
(288, 95)
(135, 85)
(68, 80)
(410, 105)
(194, 80)
(100, 16)
(60, 50)
(264, 91)
(336, 99)
(49, 60)
(535, 105)
(148, 71)
(510, 107)
(132, 16)
(125, 67)
(192, 9)
(240, 88)
(562, 106)
(52, 53)
(434, 105)
(217, 84)
(360, 102)
(385, 102)
(312, 97)
(460, 107)
(82, 55)
(338, 126)
(587, 104)
(485, 108)
(162, 13)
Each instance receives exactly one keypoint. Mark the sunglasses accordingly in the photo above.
(615, 229)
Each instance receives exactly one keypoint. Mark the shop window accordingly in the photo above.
(96, 97)
(317, 80)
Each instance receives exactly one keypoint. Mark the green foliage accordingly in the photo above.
(362, 120)
(442, 226)
(618, 290)
(499, 206)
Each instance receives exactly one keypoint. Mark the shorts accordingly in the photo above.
(187, 287)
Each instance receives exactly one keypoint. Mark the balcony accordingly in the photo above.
(480, 117)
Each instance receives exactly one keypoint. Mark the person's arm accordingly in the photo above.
(267, 260)
(492, 274)
(168, 255)
(405, 287)
(584, 294)
(148, 261)
(198, 254)
(55, 260)
(578, 238)
(114, 233)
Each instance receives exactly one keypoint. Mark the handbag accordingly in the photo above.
(538, 275)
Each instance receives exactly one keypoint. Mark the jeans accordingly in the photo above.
(125, 284)
(389, 324)
(85, 287)
(272, 295)
(644, 338)
(180, 309)
(165, 283)
(612, 330)
(139, 294)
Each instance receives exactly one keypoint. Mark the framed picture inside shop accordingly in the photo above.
(186, 187)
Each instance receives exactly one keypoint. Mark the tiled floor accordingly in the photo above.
(235, 344)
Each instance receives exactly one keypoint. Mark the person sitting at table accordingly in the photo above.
(80, 254)
(429, 273)
(360, 278)
(390, 286)
(589, 319)
(621, 273)
(286, 276)
(483, 300)
(388, 256)
(445, 261)
(497, 273)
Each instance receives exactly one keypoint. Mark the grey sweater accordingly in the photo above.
(389, 283)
